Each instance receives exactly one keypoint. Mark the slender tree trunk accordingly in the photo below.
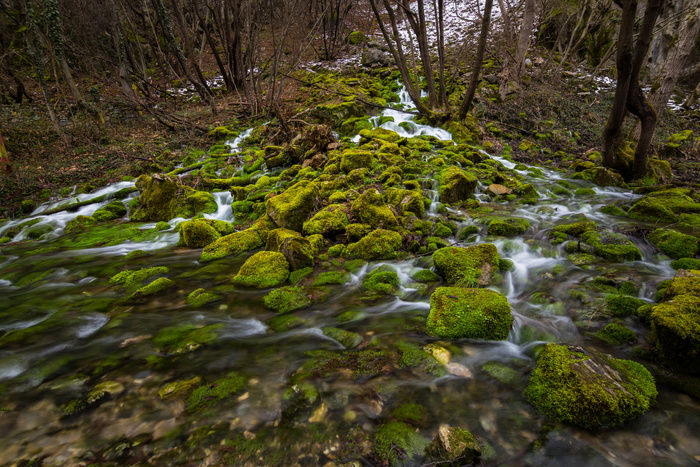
(524, 39)
(474, 80)
(4, 158)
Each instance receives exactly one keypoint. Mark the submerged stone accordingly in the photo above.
(286, 299)
(457, 312)
(589, 389)
(467, 267)
(394, 442)
(153, 288)
(201, 297)
(263, 270)
(453, 447)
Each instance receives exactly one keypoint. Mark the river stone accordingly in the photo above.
(290, 209)
(496, 189)
(453, 447)
(369, 208)
(589, 389)
(467, 267)
(455, 185)
(295, 248)
(263, 270)
(457, 312)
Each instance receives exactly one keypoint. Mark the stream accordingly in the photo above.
(66, 331)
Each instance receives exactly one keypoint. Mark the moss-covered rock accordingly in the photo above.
(131, 278)
(467, 267)
(675, 244)
(286, 299)
(199, 233)
(623, 305)
(290, 209)
(612, 246)
(576, 229)
(185, 338)
(616, 334)
(381, 134)
(383, 280)
(378, 244)
(508, 226)
(664, 206)
(296, 249)
(408, 201)
(589, 389)
(676, 325)
(263, 270)
(201, 297)
(457, 312)
(210, 394)
(163, 199)
(453, 447)
(329, 221)
(685, 282)
(455, 185)
(113, 210)
(356, 159)
(396, 441)
(153, 288)
(369, 208)
(232, 244)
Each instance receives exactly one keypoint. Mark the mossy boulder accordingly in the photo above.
(623, 305)
(383, 280)
(287, 299)
(131, 278)
(675, 244)
(407, 200)
(201, 297)
(335, 114)
(153, 288)
(455, 185)
(576, 229)
(616, 334)
(232, 244)
(589, 389)
(295, 248)
(453, 447)
(685, 282)
(377, 245)
(676, 325)
(199, 233)
(162, 199)
(355, 159)
(602, 176)
(369, 208)
(467, 267)
(263, 270)
(329, 221)
(290, 209)
(113, 210)
(457, 312)
(508, 226)
(664, 206)
(381, 134)
(612, 246)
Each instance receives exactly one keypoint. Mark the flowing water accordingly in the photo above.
(69, 330)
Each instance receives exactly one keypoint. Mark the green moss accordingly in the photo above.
(329, 221)
(179, 387)
(622, 305)
(457, 312)
(299, 274)
(508, 226)
(131, 278)
(616, 334)
(113, 210)
(286, 299)
(381, 134)
(185, 338)
(199, 233)
(684, 283)
(686, 263)
(612, 246)
(395, 441)
(383, 280)
(232, 244)
(675, 244)
(577, 228)
(676, 325)
(455, 185)
(160, 199)
(425, 275)
(369, 208)
(355, 159)
(201, 297)
(220, 389)
(331, 277)
(467, 267)
(453, 447)
(377, 245)
(348, 339)
(263, 270)
(354, 265)
(665, 206)
(153, 288)
(588, 389)
(406, 200)
(296, 249)
(355, 232)
(353, 364)
(291, 208)
(613, 210)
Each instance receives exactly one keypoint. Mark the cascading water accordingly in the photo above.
(66, 329)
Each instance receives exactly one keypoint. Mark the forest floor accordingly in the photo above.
(564, 113)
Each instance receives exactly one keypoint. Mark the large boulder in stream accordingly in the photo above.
(457, 312)
(612, 246)
(296, 249)
(675, 244)
(199, 233)
(290, 209)
(467, 267)
(589, 389)
(377, 245)
(232, 244)
(329, 221)
(455, 185)
(162, 199)
(665, 205)
(263, 270)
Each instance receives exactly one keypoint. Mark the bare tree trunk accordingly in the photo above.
(524, 38)
(474, 80)
(4, 158)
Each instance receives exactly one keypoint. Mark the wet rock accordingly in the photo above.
(369, 208)
(508, 226)
(589, 389)
(290, 209)
(199, 233)
(394, 442)
(453, 447)
(286, 299)
(497, 190)
(295, 248)
(232, 244)
(408, 201)
(162, 199)
(455, 185)
(377, 245)
(467, 267)
(179, 388)
(612, 246)
(356, 159)
(329, 221)
(665, 205)
(153, 288)
(457, 312)
(263, 270)
(675, 244)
